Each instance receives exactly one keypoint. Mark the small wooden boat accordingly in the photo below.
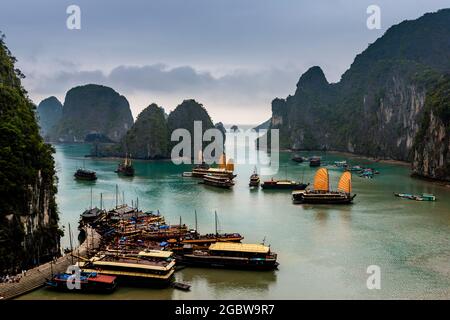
(297, 158)
(321, 193)
(181, 286)
(314, 162)
(355, 169)
(88, 281)
(367, 173)
(341, 164)
(83, 174)
(254, 179)
(218, 181)
(284, 184)
(421, 197)
(125, 168)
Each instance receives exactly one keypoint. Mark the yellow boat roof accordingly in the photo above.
(156, 254)
(219, 170)
(134, 265)
(239, 247)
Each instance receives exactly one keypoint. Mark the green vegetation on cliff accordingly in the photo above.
(28, 215)
(149, 137)
(93, 108)
(184, 116)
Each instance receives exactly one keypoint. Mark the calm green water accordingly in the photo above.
(324, 251)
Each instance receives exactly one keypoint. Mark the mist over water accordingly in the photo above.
(323, 250)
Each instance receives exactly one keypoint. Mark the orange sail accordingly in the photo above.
(200, 156)
(345, 182)
(222, 162)
(230, 165)
(321, 180)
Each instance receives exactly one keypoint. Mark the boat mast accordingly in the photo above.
(117, 196)
(196, 225)
(91, 198)
(101, 201)
(70, 239)
(215, 219)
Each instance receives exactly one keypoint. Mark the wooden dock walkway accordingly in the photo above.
(35, 278)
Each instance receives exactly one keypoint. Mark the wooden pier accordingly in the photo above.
(36, 277)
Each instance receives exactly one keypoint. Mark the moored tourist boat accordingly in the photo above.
(254, 179)
(297, 158)
(87, 282)
(218, 181)
(321, 193)
(225, 169)
(153, 267)
(314, 162)
(341, 164)
(83, 174)
(125, 168)
(283, 184)
(230, 255)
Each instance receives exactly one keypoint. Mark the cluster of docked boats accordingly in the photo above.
(124, 168)
(318, 193)
(314, 161)
(140, 248)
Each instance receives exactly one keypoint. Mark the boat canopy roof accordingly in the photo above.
(156, 254)
(345, 182)
(321, 180)
(123, 209)
(135, 265)
(239, 247)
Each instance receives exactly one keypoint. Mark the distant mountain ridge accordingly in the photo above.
(377, 108)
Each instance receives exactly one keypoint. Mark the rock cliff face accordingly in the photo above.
(49, 113)
(29, 231)
(263, 126)
(432, 143)
(378, 106)
(184, 116)
(93, 109)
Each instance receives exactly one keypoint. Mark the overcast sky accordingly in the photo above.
(234, 56)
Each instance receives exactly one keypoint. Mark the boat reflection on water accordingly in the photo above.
(224, 279)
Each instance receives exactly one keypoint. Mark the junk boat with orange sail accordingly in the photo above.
(321, 192)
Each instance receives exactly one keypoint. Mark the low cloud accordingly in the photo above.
(240, 89)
